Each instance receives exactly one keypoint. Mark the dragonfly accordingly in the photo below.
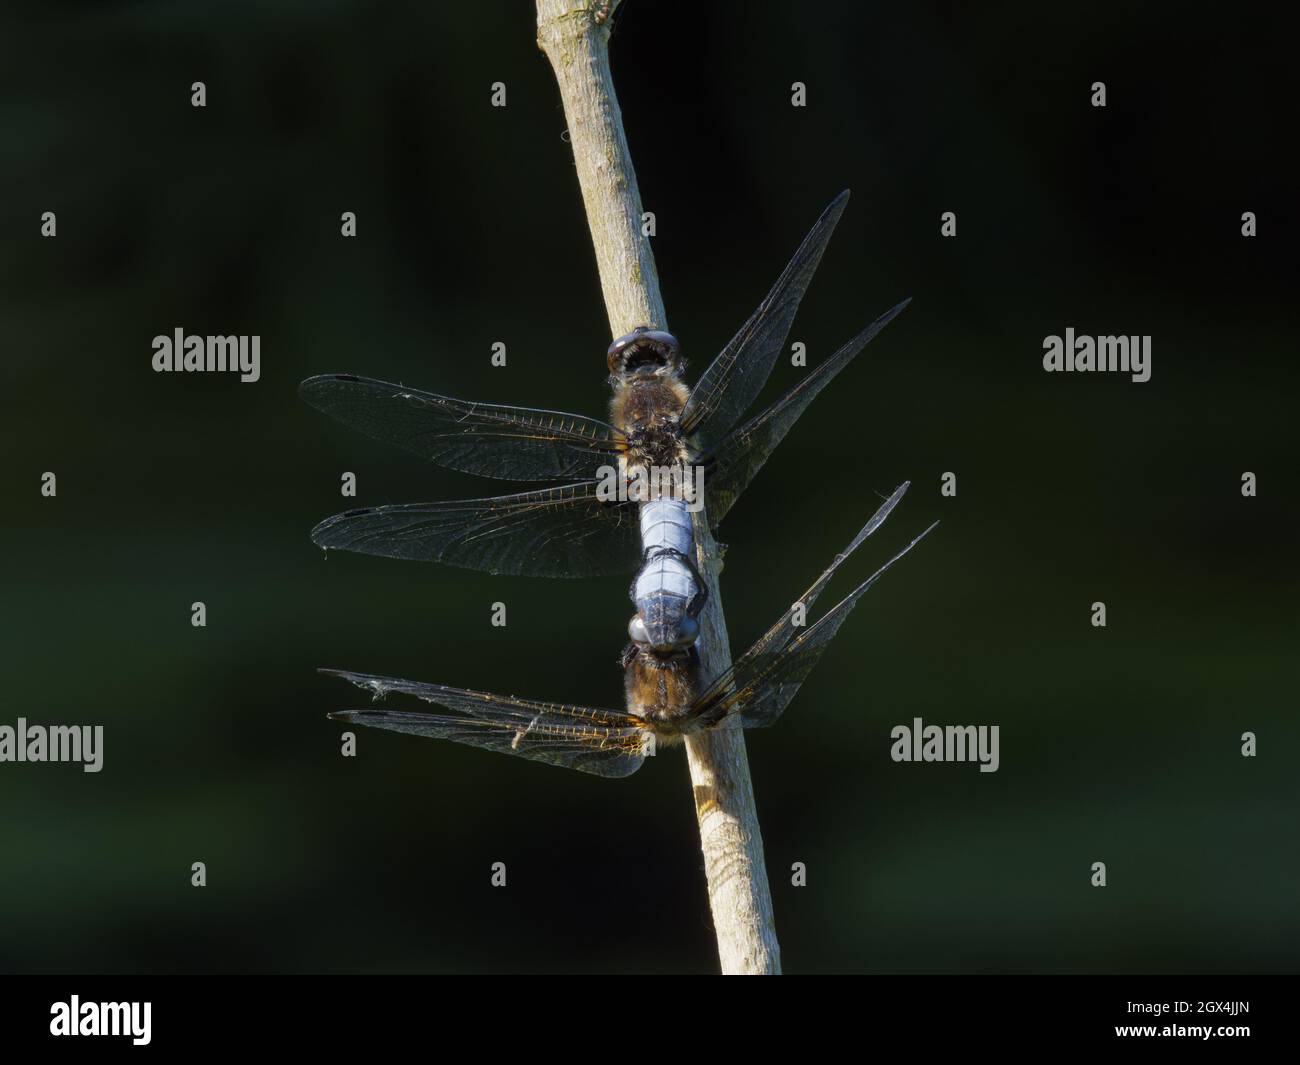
(593, 525)
(666, 699)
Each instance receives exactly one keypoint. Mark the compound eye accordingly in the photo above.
(636, 629)
(621, 342)
(614, 352)
(665, 345)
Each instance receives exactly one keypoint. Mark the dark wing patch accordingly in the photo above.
(735, 378)
(606, 743)
(488, 439)
(552, 532)
(733, 464)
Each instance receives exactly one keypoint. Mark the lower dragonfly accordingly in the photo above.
(666, 699)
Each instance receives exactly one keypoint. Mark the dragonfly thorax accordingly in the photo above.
(648, 412)
(661, 688)
(656, 445)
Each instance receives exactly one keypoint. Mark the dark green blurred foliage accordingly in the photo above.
(1118, 745)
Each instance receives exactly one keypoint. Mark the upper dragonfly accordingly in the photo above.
(656, 423)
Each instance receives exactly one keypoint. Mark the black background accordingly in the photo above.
(1119, 745)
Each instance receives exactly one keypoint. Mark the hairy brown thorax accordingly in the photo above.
(647, 410)
(645, 373)
(661, 689)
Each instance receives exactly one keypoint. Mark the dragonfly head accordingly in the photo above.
(663, 636)
(644, 352)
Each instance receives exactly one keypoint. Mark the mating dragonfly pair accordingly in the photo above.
(581, 529)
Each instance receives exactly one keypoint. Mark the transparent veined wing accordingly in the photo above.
(737, 375)
(565, 531)
(761, 683)
(606, 743)
(784, 629)
(734, 462)
(488, 439)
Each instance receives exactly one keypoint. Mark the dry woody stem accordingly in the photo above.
(574, 35)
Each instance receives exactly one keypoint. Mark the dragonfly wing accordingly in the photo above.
(607, 743)
(552, 532)
(741, 455)
(783, 631)
(736, 376)
(488, 439)
(761, 683)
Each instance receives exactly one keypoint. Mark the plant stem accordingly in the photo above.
(576, 42)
